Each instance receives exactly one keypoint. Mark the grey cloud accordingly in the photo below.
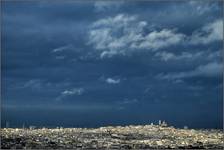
(128, 101)
(62, 48)
(41, 84)
(212, 69)
(215, 55)
(208, 33)
(70, 92)
(74, 91)
(35, 83)
(202, 7)
(112, 81)
(102, 6)
(123, 34)
(166, 56)
(160, 39)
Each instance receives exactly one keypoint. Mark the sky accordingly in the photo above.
(100, 63)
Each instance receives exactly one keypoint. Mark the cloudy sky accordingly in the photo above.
(100, 63)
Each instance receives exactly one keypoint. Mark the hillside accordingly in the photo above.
(128, 137)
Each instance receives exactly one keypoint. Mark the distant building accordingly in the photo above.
(185, 127)
(164, 124)
(32, 127)
(160, 122)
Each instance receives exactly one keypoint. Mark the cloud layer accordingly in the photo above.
(208, 33)
(124, 34)
(212, 69)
